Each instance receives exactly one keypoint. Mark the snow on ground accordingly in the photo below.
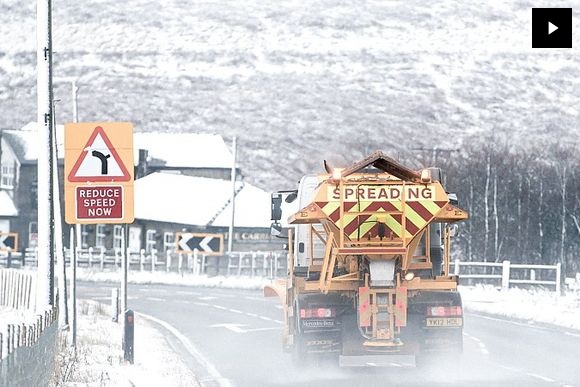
(12, 316)
(533, 306)
(99, 355)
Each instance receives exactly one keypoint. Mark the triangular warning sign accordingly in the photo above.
(99, 161)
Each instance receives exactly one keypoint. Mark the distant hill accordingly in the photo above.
(301, 81)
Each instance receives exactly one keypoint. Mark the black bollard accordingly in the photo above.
(129, 335)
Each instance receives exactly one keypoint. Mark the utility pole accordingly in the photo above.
(58, 242)
(231, 230)
(45, 273)
(75, 236)
(75, 89)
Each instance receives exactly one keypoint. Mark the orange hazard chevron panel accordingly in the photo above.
(403, 208)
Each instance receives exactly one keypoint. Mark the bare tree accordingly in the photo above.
(496, 218)
(486, 203)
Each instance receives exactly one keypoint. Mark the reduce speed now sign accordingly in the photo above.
(99, 172)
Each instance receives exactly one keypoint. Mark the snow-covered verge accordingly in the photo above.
(98, 359)
(13, 316)
(138, 277)
(532, 306)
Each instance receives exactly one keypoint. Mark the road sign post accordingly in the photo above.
(99, 168)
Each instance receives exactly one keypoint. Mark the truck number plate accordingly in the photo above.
(444, 322)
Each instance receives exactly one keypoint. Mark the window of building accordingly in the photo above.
(168, 241)
(34, 193)
(117, 237)
(150, 243)
(32, 234)
(8, 177)
(100, 235)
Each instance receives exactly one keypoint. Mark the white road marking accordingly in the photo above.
(533, 375)
(572, 334)
(482, 347)
(153, 290)
(254, 298)
(227, 296)
(240, 312)
(154, 299)
(231, 327)
(106, 298)
(544, 378)
(509, 368)
(237, 328)
(263, 329)
(512, 322)
(207, 298)
(187, 293)
(210, 368)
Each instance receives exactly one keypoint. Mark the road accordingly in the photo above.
(233, 337)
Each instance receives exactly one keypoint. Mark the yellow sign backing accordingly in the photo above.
(99, 172)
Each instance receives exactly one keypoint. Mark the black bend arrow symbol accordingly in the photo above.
(104, 162)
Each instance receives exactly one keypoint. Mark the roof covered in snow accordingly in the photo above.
(7, 207)
(186, 150)
(194, 201)
(25, 142)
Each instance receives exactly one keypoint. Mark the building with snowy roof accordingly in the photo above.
(182, 183)
(194, 154)
(168, 203)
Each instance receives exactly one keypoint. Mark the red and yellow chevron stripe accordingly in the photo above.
(402, 218)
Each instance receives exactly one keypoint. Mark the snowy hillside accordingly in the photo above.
(300, 81)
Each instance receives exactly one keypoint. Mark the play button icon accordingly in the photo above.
(559, 31)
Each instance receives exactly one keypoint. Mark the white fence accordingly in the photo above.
(507, 273)
(260, 264)
(272, 264)
(254, 263)
(17, 289)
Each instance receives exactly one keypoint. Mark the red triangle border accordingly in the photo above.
(126, 175)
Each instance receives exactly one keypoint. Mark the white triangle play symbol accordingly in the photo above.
(551, 28)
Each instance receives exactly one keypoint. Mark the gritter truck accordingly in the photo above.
(368, 265)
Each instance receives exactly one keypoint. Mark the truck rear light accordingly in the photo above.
(444, 311)
(317, 313)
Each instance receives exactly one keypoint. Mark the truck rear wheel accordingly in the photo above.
(299, 354)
